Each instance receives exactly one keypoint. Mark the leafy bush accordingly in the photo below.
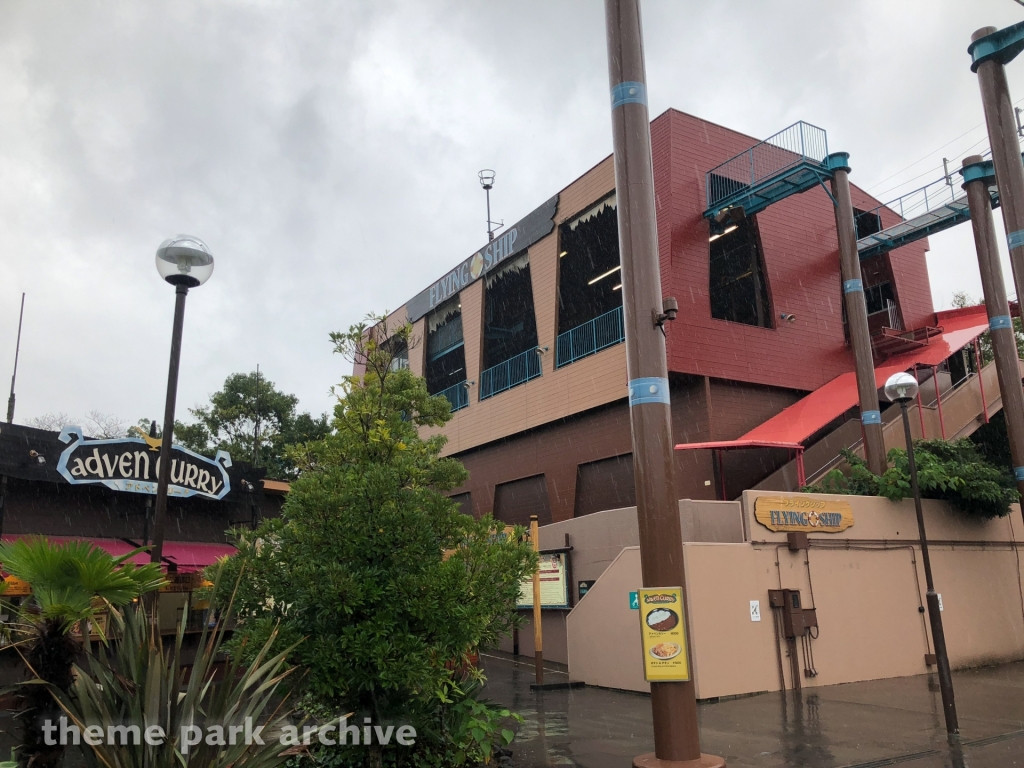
(143, 682)
(392, 587)
(954, 471)
(73, 582)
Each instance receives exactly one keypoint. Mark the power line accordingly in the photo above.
(926, 156)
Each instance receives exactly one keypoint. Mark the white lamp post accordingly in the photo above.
(902, 388)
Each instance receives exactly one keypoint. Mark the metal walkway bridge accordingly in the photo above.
(797, 159)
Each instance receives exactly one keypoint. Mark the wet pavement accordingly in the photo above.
(857, 725)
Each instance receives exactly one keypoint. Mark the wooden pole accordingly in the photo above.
(978, 175)
(673, 703)
(538, 634)
(857, 314)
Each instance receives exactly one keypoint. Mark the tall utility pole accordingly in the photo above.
(978, 175)
(673, 704)
(17, 351)
(857, 314)
(256, 431)
(991, 49)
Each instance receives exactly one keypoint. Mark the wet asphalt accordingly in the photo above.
(858, 725)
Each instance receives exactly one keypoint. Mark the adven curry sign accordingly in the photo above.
(133, 464)
(803, 513)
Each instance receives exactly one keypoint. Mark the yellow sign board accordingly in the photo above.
(15, 587)
(663, 634)
(803, 512)
(182, 582)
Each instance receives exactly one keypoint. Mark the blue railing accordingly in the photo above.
(799, 143)
(457, 395)
(511, 373)
(605, 330)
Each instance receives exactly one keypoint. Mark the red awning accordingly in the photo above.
(802, 419)
(189, 556)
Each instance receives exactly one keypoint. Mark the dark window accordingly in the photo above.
(739, 288)
(605, 484)
(589, 278)
(879, 297)
(510, 327)
(514, 502)
(464, 501)
(399, 351)
(868, 222)
(446, 357)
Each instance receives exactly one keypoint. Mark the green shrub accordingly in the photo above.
(955, 471)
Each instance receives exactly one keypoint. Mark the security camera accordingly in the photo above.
(670, 307)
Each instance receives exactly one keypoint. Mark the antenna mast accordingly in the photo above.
(17, 350)
(486, 177)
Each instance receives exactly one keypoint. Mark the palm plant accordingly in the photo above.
(71, 583)
(143, 683)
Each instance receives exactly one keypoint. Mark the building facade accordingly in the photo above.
(525, 336)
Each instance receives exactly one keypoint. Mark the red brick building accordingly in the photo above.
(523, 337)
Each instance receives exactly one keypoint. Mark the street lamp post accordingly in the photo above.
(184, 262)
(486, 177)
(902, 388)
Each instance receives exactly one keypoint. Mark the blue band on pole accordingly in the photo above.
(629, 92)
(648, 390)
(999, 321)
(852, 286)
(1018, 473)
(871, 417)
(1015, 239)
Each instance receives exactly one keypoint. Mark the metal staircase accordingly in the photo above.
(966, 406)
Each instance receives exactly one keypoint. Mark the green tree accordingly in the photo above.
(71, 582)
(390, 585)
(963, 299)
(254, 421)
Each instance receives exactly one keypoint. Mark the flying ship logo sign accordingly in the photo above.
(133, 464)
(476, 266)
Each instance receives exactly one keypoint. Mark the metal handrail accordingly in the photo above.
(800, 142)
(457, 395)
(590, 337)
(510, 373)
(934, 194)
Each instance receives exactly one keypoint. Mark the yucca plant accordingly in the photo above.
(140, 680)
(71, 583)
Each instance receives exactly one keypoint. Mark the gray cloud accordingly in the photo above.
(328, 152)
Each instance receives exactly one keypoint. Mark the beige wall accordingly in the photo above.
(598, 539)
(868, 588)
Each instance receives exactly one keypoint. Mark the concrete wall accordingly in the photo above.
(598, 539)
(866, 583)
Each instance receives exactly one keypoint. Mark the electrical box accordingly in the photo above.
(796, 540)
(810, 618)
(795, 620)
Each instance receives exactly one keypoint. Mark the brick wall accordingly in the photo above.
(802, 266)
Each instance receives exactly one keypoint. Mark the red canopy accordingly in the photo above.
(189, 556)
(805, 417)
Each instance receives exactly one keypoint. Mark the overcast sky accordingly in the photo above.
(327, 152)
